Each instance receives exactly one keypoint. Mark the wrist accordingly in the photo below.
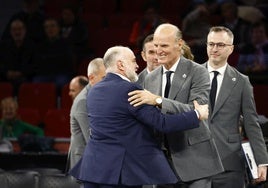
(158, 101)
(198, 114)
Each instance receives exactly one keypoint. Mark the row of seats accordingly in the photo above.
(36, 178)
(38, 104)
(41, 95)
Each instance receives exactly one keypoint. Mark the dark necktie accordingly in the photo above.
(165, 145)
(213, 91)
(168, 74)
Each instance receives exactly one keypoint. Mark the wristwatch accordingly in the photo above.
(158, 101)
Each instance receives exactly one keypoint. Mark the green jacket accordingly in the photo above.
(16, 128)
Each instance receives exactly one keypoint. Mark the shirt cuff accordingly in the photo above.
(197, 114)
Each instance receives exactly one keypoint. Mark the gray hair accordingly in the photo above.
(112, 55)
(94, 66)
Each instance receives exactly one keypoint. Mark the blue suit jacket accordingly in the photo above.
(121, 148)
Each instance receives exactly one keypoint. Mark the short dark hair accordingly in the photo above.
(217, 29)
(149, 38)
(83, 81)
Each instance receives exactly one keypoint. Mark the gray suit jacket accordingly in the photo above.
(142, 76)
(194, 154)
(79, 127)
(236, 98)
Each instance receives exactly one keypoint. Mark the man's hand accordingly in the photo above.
(139, 97)
(262, 170)
(202, 110)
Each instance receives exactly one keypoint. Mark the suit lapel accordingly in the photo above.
(229, 81)
(179, 78)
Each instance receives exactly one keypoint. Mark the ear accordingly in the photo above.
(91, 77)
(180, 43)
(143, 56)
(120, 65)
(231, 49)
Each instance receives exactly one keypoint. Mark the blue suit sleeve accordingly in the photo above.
(154, 118)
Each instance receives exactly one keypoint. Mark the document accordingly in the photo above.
(250, 160)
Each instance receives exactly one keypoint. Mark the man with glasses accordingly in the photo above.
(231, 97)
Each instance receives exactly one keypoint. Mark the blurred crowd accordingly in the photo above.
(48, 41)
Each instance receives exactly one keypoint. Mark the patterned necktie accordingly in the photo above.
(167, 88)
(213, 91)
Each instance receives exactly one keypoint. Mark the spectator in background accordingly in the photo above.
(76, 85)
(53, 61)
(148, 54)
(195, 26)
(253, 58)
(79, 117)
(33, 18)
(16, 55)
(145, 25)
(11, 125)
(74, 31)
(239, 27)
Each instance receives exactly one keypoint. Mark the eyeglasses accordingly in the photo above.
(219, 45)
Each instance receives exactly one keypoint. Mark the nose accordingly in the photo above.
(137, 66)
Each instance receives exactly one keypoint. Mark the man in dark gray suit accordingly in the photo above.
(148, 54)
(79, 118)
(193, 153)
(234, 97)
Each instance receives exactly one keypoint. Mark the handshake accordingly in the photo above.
(202, 110)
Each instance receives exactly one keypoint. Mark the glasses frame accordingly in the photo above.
(219, 45)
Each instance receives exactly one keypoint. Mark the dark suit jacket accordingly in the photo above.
(121, 148)
(236, 98)
(194, 153)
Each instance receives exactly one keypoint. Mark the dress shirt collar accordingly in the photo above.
(123, 77)
(220, 70)
(173, 68)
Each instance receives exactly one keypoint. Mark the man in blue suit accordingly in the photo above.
(122, 151)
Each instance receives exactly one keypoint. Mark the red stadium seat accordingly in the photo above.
(41, 96)
(260, 96)
(66, 100)
(110, 37)
(57, 123)
(30, 115)
(6, 90)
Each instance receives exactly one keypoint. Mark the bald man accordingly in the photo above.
(76, 85)
(193, 153)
